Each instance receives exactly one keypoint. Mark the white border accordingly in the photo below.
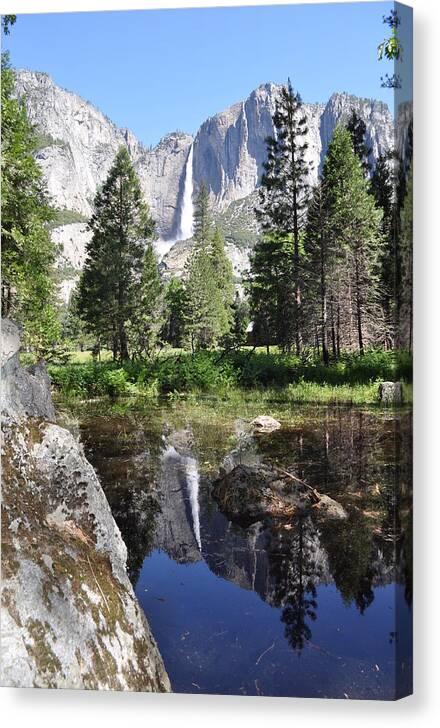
(69, 709)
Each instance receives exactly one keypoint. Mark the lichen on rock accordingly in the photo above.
(69, 616)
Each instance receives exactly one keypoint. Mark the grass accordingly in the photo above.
(240, 375)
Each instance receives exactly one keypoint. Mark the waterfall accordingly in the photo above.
(187, 211)
(185, 230)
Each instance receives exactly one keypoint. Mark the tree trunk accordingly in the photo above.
(332, 321)
(325, 356)
(359, 309)
(338, 328)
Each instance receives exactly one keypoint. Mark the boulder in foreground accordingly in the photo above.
(69, 616)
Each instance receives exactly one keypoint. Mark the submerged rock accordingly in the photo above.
(250, 494)
(329, 508)
(69, 615)
(264, 423)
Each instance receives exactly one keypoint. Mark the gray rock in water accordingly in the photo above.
(264, 423)
(391, 393)
(330, 508)
(248, 494)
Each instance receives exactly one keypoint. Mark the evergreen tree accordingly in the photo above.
(271, 290)
(321, 256)
(73, 330)
(224, 277)
(28, 290)
(354, 223)
(284, 187)
(209, 281)
(173, 331)
(110, 281)
(202, 216)
(382, 188)
(148, 316)
(406, 222)
(358, 130)
(240, 320)
(204, 313)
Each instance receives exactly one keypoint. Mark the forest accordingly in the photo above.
(323, 314)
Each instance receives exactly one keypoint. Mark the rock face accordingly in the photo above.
(69, 615)
(78, 144)
(380, 127)
(25, 393)
(71, 240)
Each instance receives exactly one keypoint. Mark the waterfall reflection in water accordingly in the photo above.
(188, 472)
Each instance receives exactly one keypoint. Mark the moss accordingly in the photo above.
(9, 604)
(47, 663)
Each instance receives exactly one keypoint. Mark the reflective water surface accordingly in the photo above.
(278, 608)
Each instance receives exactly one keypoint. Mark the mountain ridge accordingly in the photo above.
(229, 146)
(78, 143)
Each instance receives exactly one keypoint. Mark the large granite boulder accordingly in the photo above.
(69, 615)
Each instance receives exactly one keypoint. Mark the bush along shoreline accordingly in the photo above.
(354, 379)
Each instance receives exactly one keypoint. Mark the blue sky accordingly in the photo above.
(156, 71)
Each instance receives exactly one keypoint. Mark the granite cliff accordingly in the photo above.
(77, 144)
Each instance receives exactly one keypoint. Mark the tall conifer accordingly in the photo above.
(109, 286)
(284, 187)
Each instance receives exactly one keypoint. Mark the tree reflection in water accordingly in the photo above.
(360, 459)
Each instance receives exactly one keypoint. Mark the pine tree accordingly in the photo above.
(224, 277)
(358, 130)
(204, 322)
(284, 186)
(406, 222)
(209, 281)
(109, 286)
(240, 320)
(271, 290)
(354, 222)
(28, 290)
(202, 216)
(382, 188)
(173, 331)
(148, 315)
(321, 254)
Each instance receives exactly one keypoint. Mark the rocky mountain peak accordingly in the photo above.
(77, 145)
